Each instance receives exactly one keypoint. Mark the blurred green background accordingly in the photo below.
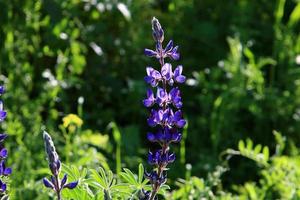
(241, 58)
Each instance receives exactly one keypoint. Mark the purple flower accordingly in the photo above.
(153, 76)
(169, 52)
(48, 183)
(165, 135)
(2, 89)
(2, 112)
(164, 116)
(55, 166)
(166, 71)
(175, 97)
(161, 97)
(151, 53)
(150, 100)
(179, 78)
(71, 185)
(4, 171)
(2, 186)
(3, 153)
(178, 120)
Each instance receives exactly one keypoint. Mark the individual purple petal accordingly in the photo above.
(64, 180)
(154, 158)
(71, 185)
(151, 137)
(7, 171)
(3, 170)
(166, 71)
(2, 115)
(177, 119)
(156, 75)
(3, 153)
(159, 116)
(2, 112)
(150, 53)
(149, 70)
(171, 158)
(174, 54)
(175, 97)
(150, 100)
(47, 183)
(152, 118)
(169, 46)
(153, 76)
(2, 90)
(176, 137)
(3, 136)
(161, 97)
(3, 187)
(179, 78)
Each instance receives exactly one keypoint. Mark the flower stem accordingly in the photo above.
(58, 190)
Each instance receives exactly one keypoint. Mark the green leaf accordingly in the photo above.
(95, 175)
(131, 176)
(295, 16)
(257, 149)
(241, 145)
(266, 153)
(141, 173)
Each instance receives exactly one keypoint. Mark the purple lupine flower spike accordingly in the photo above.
(165, 115)
(55, 166)
(4, 171)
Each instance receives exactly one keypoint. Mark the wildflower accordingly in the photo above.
(2, 112)
(167, 115)
(72, 121)
(55, 183)
(4, 171)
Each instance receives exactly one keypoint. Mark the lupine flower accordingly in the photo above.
(167, 115)
(55, 166)
(4, 171)
(2, 112)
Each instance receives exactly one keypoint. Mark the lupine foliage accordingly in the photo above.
(242, 63)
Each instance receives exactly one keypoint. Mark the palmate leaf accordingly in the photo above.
(106, 186)
(137, 182)
(82, 191)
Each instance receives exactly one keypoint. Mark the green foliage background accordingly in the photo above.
(240, 57)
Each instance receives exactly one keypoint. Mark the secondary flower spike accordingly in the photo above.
(165, 104)
(4, 171)
(55, 183)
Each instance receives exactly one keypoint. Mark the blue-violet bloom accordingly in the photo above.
(165, 113)
(55, 183)
(4, 171)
